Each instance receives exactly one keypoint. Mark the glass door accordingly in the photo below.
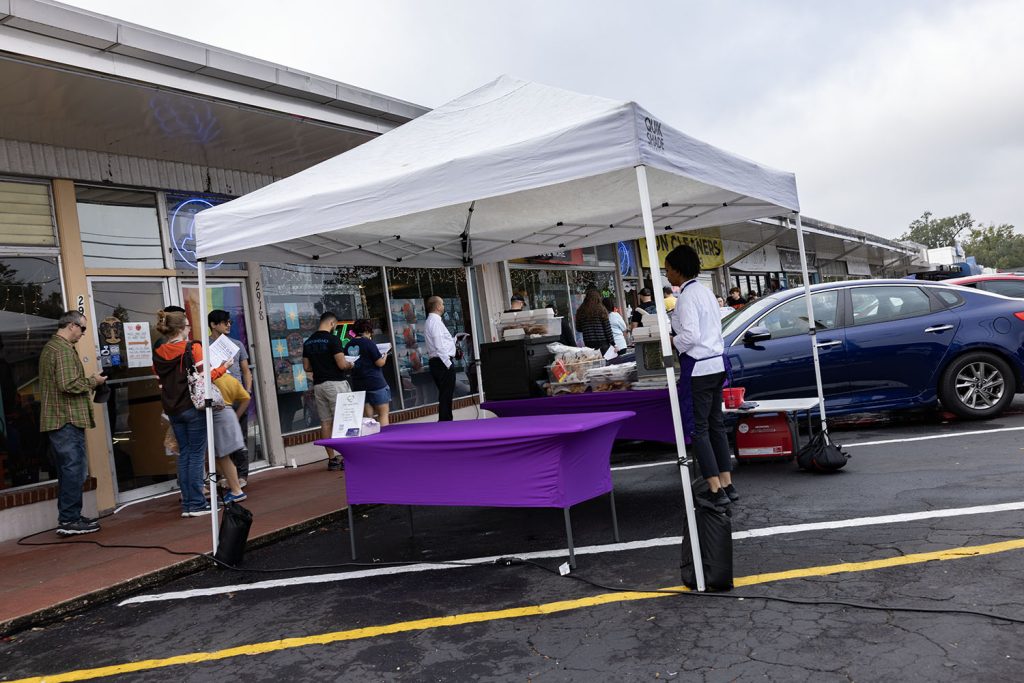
(230, 296)
(123, 324)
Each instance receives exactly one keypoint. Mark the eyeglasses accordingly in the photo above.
(81, 327)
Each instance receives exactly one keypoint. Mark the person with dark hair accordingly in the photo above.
(323, 358)
(516, 303)
(367, 374)
(441, 352)
(220, 323)
(645, 304)
(189, 424)
(618, 324)
(670, 298)
(592, 322)
(65, 414)
(735, 299)
(697, 324)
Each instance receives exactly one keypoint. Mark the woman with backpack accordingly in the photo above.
(171, 364)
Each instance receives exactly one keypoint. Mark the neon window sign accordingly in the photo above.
(183, 231)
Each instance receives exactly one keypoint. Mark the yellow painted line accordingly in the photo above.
(512, 613)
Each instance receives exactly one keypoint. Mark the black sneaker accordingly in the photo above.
(335, 464)
(76, 528)
(730, 491)
(89, 520)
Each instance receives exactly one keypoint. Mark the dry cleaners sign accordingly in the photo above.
(708, 247)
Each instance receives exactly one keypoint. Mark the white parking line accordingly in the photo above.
(934, 436)
(586, 550)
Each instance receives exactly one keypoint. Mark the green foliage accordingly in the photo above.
(937, 232)
(996, 246)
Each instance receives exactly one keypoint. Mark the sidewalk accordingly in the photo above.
(40, 583)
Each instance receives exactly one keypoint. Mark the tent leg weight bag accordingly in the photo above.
(714, 530)
(822, 455)
(234, 532)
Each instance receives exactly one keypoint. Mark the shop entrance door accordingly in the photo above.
(123, 323)
(229, 295)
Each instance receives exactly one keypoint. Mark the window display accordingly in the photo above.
(30, 304)
(410, 289)
(296, 296)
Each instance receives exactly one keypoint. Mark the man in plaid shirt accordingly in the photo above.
(65, 414)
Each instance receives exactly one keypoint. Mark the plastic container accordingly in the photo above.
(556, 388)
(561, 372)
(733, 397)
(543, 327)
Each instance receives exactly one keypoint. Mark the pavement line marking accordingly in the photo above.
(934, 436)
(512, 613)
(585, 550)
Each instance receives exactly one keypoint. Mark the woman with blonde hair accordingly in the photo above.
(170, 363)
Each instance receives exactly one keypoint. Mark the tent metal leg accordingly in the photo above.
(352, 531)
(568, 535)
(615, 517)
(412, 525)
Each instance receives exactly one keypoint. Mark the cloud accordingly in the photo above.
(924, 116)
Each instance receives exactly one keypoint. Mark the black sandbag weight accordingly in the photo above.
(714, 530)
(234, 532)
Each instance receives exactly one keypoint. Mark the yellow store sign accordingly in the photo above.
(708, 247)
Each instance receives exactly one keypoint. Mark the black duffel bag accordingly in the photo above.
(714, 531)
(234, 532)
(822, 455)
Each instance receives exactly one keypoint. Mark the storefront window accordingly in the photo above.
(581, 280)
(410, 289)
(30, 304)
(120, 228)
(296, 296)
(181, 216)
(542, 289)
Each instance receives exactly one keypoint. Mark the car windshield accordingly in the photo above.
(740, 318)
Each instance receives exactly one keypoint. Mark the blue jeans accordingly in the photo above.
(68, 445)
(190, 431)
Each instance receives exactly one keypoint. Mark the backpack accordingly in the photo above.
(822, 455)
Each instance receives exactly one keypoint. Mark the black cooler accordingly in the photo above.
(512, 369)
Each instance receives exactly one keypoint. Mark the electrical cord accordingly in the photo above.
(509, 561)
(513, 561)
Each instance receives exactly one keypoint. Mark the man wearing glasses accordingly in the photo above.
(66, 412)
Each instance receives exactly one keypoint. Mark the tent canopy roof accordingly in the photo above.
(537, 168)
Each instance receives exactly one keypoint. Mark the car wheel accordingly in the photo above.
(977, 385)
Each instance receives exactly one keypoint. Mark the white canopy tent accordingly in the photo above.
(512, 169)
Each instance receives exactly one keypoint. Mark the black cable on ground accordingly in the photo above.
(747, 596)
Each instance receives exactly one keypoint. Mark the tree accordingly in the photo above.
(996, 246)
(937, 232)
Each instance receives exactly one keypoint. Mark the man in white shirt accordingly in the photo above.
(441, 352)
(697, 324)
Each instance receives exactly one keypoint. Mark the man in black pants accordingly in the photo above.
(441, 352)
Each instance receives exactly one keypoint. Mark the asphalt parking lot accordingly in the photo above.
(927, 515)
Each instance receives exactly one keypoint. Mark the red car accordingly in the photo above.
(1007, 284)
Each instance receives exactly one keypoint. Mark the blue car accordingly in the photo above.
(883, 345)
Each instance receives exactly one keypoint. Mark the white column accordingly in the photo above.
(670, 372)
(211, 458)
(811, 323)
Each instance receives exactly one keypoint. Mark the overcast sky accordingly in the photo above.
(883, 109)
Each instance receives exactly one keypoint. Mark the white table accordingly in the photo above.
(790, 406)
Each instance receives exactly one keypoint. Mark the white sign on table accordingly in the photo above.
(348, 414)
(222, 350)
(138, 345)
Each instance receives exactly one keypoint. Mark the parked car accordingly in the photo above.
(883, 345)
(1007, 284)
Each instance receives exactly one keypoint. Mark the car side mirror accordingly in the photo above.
(755, 334)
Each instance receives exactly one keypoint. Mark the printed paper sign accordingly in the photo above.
(222, 350)
(348, 414)
(139, 345)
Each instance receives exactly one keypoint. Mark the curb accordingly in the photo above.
(48, 615)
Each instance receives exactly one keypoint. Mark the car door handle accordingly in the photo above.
(939, 328)
(827, 344)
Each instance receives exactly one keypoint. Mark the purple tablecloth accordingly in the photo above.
(653, 412)
(543, 461)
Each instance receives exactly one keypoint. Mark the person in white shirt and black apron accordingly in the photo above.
(441, 352)
(696, 323)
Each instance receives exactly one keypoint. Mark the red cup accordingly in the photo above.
(733, 396)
